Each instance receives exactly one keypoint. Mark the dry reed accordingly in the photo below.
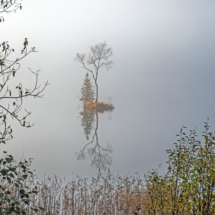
(96, 195)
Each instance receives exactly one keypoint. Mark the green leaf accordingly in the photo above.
(3, 172)
(9, 179)
(25, 176)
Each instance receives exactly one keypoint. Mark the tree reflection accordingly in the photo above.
(100, 156)
(87, 122)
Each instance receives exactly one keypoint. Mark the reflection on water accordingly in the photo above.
(87, 122)
(99, 155)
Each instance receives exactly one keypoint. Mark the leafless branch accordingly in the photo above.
(12, 104)
(98, 57)
(8, 6)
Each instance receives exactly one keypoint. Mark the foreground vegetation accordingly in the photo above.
(95, 195)
(188, 187)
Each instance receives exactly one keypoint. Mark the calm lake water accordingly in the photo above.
(131, 138)
(162, 78)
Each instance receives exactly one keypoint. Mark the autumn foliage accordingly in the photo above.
(188, 187)
(97, 107)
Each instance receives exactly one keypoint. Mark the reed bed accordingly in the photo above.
(96, 195)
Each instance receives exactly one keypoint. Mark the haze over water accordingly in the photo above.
(162, 78)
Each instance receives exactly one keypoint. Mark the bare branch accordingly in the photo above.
(8, 69)
(80, 58)
(8, 6)
(98, 57)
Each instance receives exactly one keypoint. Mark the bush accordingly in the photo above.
(15, 195)
(188, 186)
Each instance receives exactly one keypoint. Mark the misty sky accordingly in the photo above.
(162, 78)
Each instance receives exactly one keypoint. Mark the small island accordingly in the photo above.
(97, 107)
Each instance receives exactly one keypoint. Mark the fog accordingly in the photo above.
(162, 78)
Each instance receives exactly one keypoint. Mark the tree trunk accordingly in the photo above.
(96, 91)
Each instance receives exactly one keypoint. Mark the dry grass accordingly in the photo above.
(99, 195)
(97, 107)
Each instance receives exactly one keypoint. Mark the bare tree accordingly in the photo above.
(98, 57)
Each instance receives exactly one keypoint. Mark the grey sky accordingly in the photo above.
(162, 77)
